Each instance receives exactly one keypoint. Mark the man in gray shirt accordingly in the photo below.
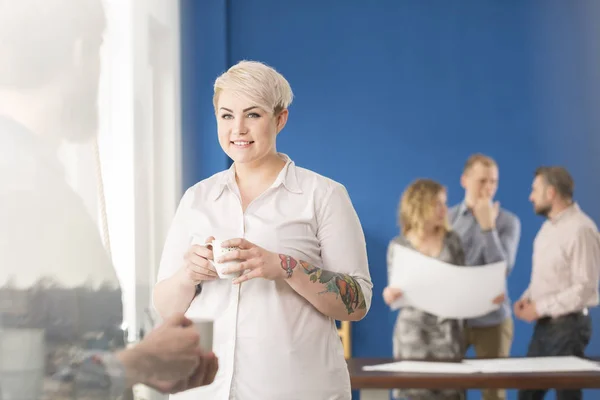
(489, 234)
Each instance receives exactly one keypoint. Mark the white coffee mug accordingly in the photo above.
(219, 251)
(205, 328)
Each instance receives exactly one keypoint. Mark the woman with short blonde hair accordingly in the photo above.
(418, 334)
(298, 250)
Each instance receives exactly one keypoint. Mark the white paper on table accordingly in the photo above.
(534, 364)
(427, 367)
(444, 289)
(500, 365)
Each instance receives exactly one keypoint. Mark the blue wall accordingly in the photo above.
(388, 91)
(204, 49)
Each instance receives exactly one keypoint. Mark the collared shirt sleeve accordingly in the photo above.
(97, 370)
(584, 257)
(117, 375)
(342, 241)
(501, 244)
(177, 241)
(91, 375)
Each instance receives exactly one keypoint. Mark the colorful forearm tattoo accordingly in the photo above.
(344, 286)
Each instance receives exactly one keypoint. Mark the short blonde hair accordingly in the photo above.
(479, 158)
(417, 205)
(258, 82)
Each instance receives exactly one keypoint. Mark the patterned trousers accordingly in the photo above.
(419, 336)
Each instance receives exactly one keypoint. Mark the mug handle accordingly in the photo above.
(195, 240)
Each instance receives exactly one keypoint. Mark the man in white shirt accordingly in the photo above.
(564, 276)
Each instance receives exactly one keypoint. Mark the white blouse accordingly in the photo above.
(272, 344)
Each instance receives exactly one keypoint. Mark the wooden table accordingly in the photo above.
(375, 385)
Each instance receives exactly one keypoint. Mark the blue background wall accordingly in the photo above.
(388, 91)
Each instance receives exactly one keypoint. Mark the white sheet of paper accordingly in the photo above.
(424, 367)
(502, 365)
(534, 364)
(443, 289)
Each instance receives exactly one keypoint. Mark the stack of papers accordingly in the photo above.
(535, 364)
(501, 365)
(423, 367)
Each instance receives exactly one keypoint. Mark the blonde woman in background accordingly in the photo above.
(418, 334)
(301, 247)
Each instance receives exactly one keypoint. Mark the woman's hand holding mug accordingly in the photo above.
(197, 266)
